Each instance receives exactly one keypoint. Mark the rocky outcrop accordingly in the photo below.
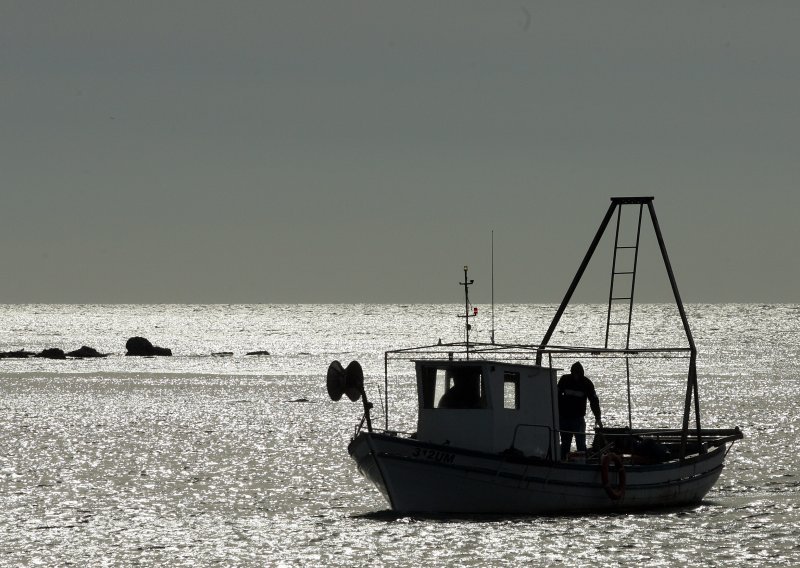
(141, 347)
(52, 353)
(19, 354)
(86, 352)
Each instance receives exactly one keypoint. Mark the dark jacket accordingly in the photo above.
(573, 392)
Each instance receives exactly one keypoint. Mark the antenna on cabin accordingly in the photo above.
(467, 314)
(492, 336)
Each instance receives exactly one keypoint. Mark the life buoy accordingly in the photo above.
(614, 493)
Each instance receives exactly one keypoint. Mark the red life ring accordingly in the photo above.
(618, 492)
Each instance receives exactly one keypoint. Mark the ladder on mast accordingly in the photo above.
(629, 271)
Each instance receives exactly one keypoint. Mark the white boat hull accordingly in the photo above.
(424, 478)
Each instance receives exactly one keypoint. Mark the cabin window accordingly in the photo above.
(511, 390)
(428, 384)
(455, 387)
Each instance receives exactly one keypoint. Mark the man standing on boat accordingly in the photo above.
(573, 392)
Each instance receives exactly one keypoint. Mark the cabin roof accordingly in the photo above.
(478, 363)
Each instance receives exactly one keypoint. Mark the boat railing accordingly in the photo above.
(526, 352)
(460, 349)
(711, 436)
(631, 352)
(553, 445)
(626, 440)
(385, 431)
(516, 352)
(664, 444)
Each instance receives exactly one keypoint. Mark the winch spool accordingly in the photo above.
(349, 381)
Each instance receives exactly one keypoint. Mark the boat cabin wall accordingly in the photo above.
(488, 406)
(526, 409)
(454, 405)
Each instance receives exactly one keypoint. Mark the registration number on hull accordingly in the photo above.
(433, 455)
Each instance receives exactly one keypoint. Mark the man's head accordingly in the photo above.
(576, 369)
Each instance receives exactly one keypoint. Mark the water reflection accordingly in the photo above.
(202, 460)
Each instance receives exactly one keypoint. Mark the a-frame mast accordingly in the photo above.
(691, 386)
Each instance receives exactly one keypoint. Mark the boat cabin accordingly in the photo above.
(488, 406)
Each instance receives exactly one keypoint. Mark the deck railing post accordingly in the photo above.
(386, 389)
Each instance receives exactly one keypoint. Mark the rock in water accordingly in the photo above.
(140, 346)
(86, 352)
(19, 354)
(52, 353)
(258, 353)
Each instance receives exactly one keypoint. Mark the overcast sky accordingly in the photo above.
(192, 151)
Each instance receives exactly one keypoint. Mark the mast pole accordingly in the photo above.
(466, 283)
(492, 337)
(691, 384)
(386, 389)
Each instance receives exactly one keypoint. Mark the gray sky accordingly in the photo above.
(364, 151)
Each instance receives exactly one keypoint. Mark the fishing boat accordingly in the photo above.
(487, 436)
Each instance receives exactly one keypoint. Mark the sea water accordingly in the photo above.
(201, 459)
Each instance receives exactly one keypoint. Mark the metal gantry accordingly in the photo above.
(692, 395)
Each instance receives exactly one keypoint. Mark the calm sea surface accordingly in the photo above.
(200, 460)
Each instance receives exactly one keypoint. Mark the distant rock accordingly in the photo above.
(86, 352)
(141, 347)
(258, 353)
(222, 354)
(52, 353)
(299, 400)
(19, 354)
